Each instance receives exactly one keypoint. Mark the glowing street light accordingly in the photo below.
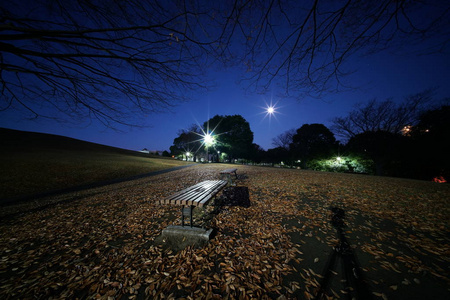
(208, 139)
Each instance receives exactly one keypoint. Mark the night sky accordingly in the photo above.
(387, 74)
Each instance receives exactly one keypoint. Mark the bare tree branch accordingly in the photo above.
(383, 116)
(108, 60)
(122, 59)
(285, 139)
(313, 40)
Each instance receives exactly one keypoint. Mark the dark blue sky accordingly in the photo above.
(387, 74)
(381, 76)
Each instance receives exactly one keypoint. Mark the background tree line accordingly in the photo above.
(231, 139)
(407, 139)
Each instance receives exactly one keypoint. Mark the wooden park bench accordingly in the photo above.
(227, 173)
(195, 196)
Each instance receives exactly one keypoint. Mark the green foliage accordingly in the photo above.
(312, 141)
(231, 139)
(344, 164)
(232, 134)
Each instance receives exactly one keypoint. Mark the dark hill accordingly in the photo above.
(36, 163)
(25, 141)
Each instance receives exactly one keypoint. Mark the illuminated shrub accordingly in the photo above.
(342, 164)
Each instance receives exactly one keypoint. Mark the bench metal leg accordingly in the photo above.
(182, 215)
(187, 211)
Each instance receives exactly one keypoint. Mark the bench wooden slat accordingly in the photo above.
(191, 193)
(194, 196)
(218, 188)
(228, 171)
(215, 189)
(183, 193)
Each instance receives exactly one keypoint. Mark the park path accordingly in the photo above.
(12, 207)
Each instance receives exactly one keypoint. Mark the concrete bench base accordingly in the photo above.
(178, 237)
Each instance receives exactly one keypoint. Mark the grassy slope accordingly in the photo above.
(32, 163)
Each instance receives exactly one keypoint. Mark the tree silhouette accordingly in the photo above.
(283, 140)
(385, 149)
(431, 146)
(385, 116)
(116, 60)
(188, 141)
(233, 135)
(304, 45)
(107, 60)
(312, 141)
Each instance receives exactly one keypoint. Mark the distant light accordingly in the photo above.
(338, 158)
(188, 153)
(406, 131)
(270, 110)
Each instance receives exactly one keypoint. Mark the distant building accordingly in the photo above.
(144, 151)
(154, 152)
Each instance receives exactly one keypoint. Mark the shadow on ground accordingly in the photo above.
(236, 196)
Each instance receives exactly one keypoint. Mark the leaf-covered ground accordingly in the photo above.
(100, 243)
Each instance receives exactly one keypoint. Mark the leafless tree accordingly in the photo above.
(105, 59)
(112, 59)
(382, 116)
(304, 45)
(285, 139)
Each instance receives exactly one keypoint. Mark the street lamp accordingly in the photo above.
(208, 140)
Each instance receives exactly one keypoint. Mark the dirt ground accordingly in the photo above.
(101, 243)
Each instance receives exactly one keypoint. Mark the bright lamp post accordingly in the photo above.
(208, 140)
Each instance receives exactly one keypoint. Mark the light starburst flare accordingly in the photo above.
(270, 110)
(207, 137)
